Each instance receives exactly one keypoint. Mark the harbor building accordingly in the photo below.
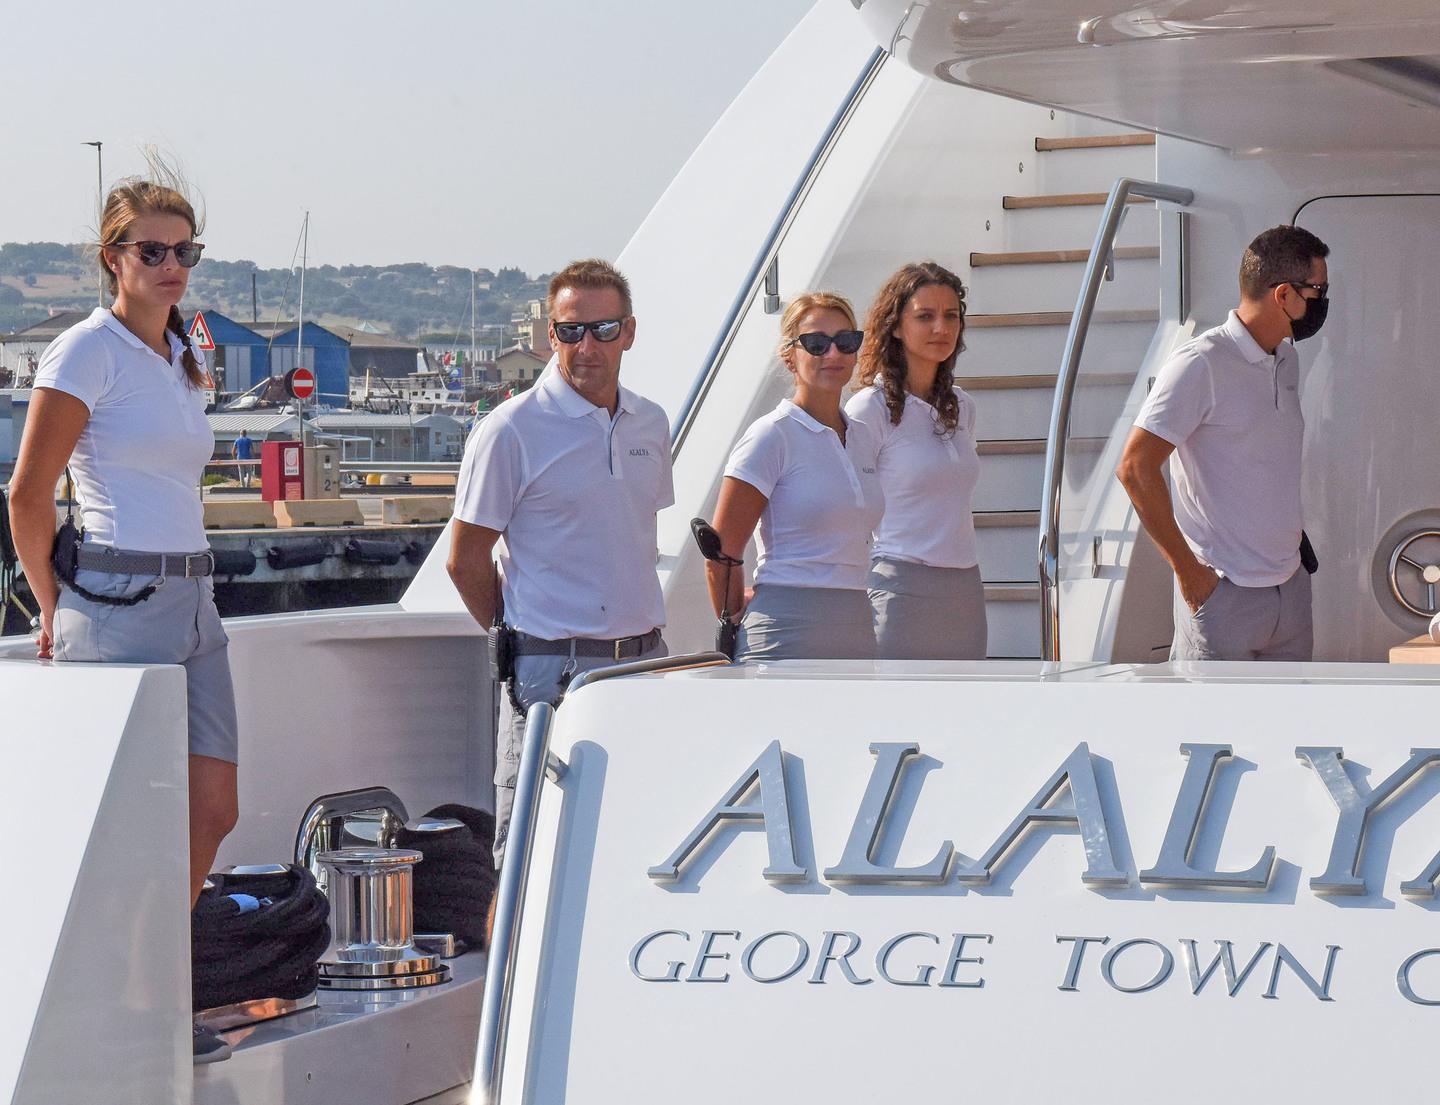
(20, 351)
(393, 437)
(268, 425)
(534, 325)
(380, 354)
(238, 361)
(520, 364)
(323, 350)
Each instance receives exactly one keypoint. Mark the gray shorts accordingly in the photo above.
(537, 679)
(1247, 623)
(178, 624)
(927, 613)
(806, 623)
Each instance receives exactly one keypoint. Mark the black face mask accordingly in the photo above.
(1308, 324)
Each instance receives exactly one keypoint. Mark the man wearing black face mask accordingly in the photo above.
(1227, 404)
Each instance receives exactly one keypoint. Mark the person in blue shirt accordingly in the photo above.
(244, 449)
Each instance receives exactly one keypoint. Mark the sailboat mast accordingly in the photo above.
(304, 251)
(300, 327)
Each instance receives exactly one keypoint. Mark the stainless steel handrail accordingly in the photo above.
(448, 467)
(680, 429)
(519, 849)
(1101, 260)
(443, 466)
(654, 664)
(504, 945)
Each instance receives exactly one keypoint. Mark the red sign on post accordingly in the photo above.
(200, 334)
(300, 383)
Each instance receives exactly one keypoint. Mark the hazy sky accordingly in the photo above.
(467, 132)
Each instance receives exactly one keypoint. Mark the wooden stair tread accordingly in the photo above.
(1060, 256)
(1010, 447)
(1040, 381)
(1029, 446)
(1063, 199)
(1012, 592)
(1002, 519)
(1094, 142)
(1053, 318)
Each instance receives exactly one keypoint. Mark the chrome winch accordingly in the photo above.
(372, 945)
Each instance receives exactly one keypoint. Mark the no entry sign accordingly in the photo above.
(300, 383)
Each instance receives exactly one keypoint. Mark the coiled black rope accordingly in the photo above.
(257, 936)
(455, 881)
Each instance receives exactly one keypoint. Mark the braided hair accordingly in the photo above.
(882, 357)
(193, 372)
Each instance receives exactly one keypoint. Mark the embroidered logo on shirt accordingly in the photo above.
(868, 471)
(639, 452)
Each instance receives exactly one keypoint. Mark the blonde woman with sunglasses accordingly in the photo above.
(119, 400)
(805, 474)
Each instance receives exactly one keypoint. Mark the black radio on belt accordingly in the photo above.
(65, 557)
(1308, 560)
(727, 633)
(502, 652)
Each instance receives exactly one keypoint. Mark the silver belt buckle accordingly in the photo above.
(622, 644)
(209, 555)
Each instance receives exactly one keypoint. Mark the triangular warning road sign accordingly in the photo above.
(200, 334)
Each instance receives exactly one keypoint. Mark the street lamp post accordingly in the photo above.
(99, 202)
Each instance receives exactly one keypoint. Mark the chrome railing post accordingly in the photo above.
(504, 942)
(768, 252)
(1095, 270)
(535, 758)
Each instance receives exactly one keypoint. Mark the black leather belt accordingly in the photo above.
(622, 648)
(102, 558)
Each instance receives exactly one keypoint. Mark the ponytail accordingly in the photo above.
(193, 372)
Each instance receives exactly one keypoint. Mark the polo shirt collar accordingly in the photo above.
(574, 405)
(1245, 341)
(108, 319)
(801, 416)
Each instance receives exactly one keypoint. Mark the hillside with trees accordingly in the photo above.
(406, 300)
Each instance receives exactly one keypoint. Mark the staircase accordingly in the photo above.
(1019, 306)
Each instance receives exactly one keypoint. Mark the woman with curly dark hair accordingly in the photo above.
(924, 583)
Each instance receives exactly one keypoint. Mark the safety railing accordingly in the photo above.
(1100, 267)
(766, 258)
(535, 760)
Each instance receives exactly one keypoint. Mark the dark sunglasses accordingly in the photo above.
(607, 329)
(187, 254)
(818, 344)
(1323, 289)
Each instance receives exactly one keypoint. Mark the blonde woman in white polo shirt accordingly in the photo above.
(119, 398)
(805, 473)
(924, 580)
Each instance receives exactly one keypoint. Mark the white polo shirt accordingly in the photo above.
(575, 494)
(139, 459)
(928, 480)
(1232, 411)
(824, 498)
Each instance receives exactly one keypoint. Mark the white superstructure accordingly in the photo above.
(978, 135)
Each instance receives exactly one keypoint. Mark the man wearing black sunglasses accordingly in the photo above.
(572, 474)
(1227, 404)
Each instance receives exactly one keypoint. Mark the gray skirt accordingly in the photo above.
(806, 623)
(925, 613)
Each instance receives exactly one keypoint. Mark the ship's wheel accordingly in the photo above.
(1414, 572)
